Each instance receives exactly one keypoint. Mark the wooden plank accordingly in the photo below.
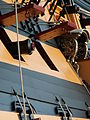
(8, 116)
(75, 19)
(14, 116)
(58, 8)
(50, 117)
(55, 31)
(25, 12)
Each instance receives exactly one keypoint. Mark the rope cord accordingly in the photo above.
(63, 111)
(81, 80)
(85, 87)
(20, 68)
(66, 11)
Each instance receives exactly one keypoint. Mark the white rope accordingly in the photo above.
(85, 87)
(20, 69)
(63, 111)
(83, 11)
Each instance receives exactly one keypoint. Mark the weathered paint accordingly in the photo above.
(41, 84)
(41, 90)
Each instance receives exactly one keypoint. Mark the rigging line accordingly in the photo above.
(85, 87)
(20, 68)
(83, 11)
(60, 105)
(72, 2)
(80, 80)
(52, 13)
(66, 11)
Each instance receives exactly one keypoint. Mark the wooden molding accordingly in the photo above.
(25, 12)
(85, 69)
(55, 31)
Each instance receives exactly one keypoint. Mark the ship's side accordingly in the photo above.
(41, 82)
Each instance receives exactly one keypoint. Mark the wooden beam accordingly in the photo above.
(4, 115)
(25, 12)
(50, 117)
(55, 31)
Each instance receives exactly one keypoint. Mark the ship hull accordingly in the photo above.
(41, 90)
